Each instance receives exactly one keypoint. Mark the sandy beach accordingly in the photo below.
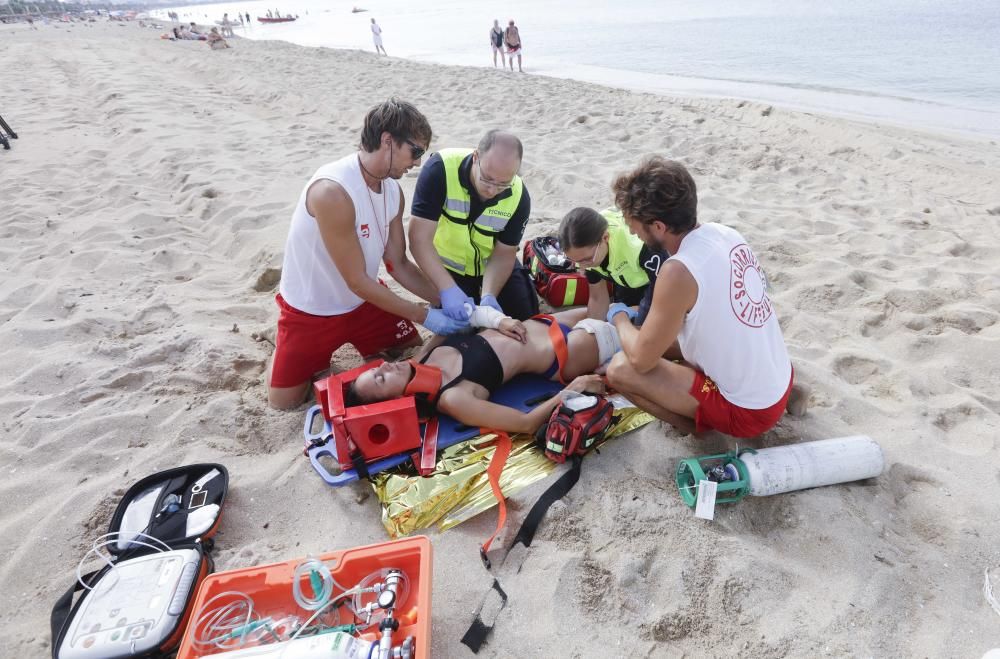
(145, 209)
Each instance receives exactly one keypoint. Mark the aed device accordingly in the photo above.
(157, 553)
(132, 609)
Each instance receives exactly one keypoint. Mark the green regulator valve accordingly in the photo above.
(726, 469)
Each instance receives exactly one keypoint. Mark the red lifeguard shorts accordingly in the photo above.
(305, 342)
(717, 413)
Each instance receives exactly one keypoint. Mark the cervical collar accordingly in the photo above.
(426, 380)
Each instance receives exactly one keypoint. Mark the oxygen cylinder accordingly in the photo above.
(812, 464)
(781, 469)
(337, 645)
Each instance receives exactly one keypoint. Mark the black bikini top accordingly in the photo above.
(479, 363)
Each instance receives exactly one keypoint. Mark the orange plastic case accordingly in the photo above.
(270, 587)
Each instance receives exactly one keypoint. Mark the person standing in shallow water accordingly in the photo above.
(377, 38)
(496, 43)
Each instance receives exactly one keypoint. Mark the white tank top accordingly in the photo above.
(310, 281)
(731, 333)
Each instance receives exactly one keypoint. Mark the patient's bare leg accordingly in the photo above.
(582, 348)
(663, 391)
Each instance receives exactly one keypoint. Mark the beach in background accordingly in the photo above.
(911, 62)
(145, 210)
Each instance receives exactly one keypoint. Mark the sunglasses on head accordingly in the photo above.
(416, 151)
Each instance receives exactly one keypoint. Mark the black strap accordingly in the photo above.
(360, 467)
(316, 442)
(556, 491)
(61, 611)
(479, 630)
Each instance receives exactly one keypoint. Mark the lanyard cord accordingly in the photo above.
(385, 208)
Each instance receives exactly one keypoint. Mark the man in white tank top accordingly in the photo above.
(348, 220)
(710, 309)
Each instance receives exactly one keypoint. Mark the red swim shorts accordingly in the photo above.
(717, 413)
(305, 342)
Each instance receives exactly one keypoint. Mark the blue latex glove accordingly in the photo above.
(438, 322)
(618, 308)
(453, 301)
(490, 301)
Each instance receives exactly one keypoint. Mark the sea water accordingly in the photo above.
(930, 64)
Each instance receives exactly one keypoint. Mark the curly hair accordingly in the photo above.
(658, 190)
(400, 119)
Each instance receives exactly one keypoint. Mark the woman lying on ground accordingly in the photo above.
(469, 368)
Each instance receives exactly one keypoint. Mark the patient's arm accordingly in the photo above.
(462, 405)
(466, 408)
(488, 317)
(483, 316)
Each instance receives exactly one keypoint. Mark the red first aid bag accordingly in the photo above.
(576, 425)
(556, 277)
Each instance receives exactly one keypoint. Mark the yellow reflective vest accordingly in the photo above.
(623, 253)
(463, 243)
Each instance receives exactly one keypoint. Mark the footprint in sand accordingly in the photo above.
(969, 428)
(267, 280)
(855, 369)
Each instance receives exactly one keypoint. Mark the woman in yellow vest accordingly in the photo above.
(602, 244)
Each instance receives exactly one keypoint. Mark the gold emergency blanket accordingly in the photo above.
(459, 488)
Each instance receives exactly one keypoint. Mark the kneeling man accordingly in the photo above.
(710, 309)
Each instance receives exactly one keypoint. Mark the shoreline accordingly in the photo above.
(142, 243)
(872, 107)
(868, 107)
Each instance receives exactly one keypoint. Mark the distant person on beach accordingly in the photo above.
(269, 14)
(186, 33)
(710, 311)
(215, 40)
(194, 29)
(377, 38)
(347, 222)
(512, 37)
(248, 18)
(227, 27)
(496, 43)
(469, 211)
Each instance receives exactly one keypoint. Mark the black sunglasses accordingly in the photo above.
(415, 150)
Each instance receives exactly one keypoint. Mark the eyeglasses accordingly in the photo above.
(593, 257)
(416, 151)
(490, 183)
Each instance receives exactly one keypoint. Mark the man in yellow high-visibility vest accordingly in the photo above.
(469, 211)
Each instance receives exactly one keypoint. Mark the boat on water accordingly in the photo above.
(282, 19)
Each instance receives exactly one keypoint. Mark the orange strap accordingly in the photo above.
(493, 471)
(558, 343)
